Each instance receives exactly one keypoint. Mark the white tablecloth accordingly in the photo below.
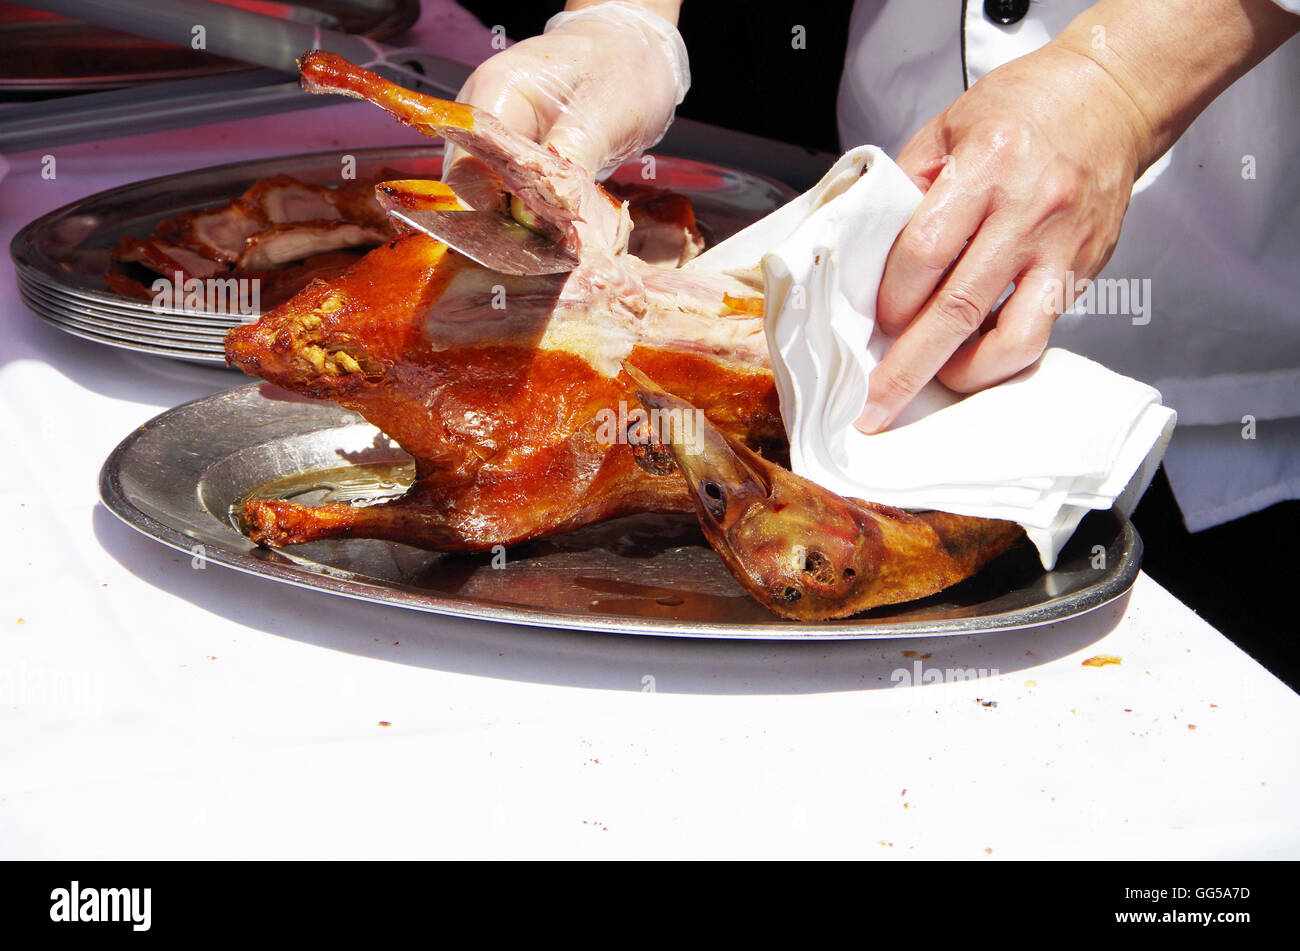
(149, 709)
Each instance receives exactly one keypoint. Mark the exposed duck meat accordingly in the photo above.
(664, 231)
(282, 244)
(355, 200)
(283, 198)
(219, 233)
(166, 259)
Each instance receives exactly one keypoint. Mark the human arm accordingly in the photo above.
(1028, 175)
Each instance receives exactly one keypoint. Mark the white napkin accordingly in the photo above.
(1064, 436)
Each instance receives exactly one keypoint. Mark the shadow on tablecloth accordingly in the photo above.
(586, 659)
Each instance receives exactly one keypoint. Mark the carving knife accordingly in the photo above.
(492, 239)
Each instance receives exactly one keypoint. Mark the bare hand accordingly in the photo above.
(1026, 176)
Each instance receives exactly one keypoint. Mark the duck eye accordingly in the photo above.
(714, 499)
(792, 594)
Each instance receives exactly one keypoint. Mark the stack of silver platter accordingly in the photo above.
(61, 258)
(131, 325)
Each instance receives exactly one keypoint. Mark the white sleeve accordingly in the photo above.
(1291, 6)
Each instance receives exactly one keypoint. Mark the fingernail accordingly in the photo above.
(872, 418)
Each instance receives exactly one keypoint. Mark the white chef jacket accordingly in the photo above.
(1221, 249)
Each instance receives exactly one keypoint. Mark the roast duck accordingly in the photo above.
(503, 389)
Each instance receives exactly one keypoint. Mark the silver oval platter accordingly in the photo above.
(182, 477)
(61, 257)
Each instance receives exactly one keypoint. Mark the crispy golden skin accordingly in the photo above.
(506, 434)
(505, 408)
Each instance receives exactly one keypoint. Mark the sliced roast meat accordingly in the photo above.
(283, 244)
(215, 233)
(166, 259)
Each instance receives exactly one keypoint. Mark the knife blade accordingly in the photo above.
(493, 240)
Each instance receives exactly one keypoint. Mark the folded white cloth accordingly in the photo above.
(1064, 436)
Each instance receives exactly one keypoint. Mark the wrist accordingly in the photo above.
(1170, 58)
(655, 29)
(1129, 125)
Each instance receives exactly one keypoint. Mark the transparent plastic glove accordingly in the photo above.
(599, 86)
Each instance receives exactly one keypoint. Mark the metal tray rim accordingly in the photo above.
(111, 326)
(189, 356)
(70, 298)
(114, 498)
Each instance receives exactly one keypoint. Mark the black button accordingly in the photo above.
(1005, 12)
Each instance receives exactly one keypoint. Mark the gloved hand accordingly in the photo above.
(599, 85)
